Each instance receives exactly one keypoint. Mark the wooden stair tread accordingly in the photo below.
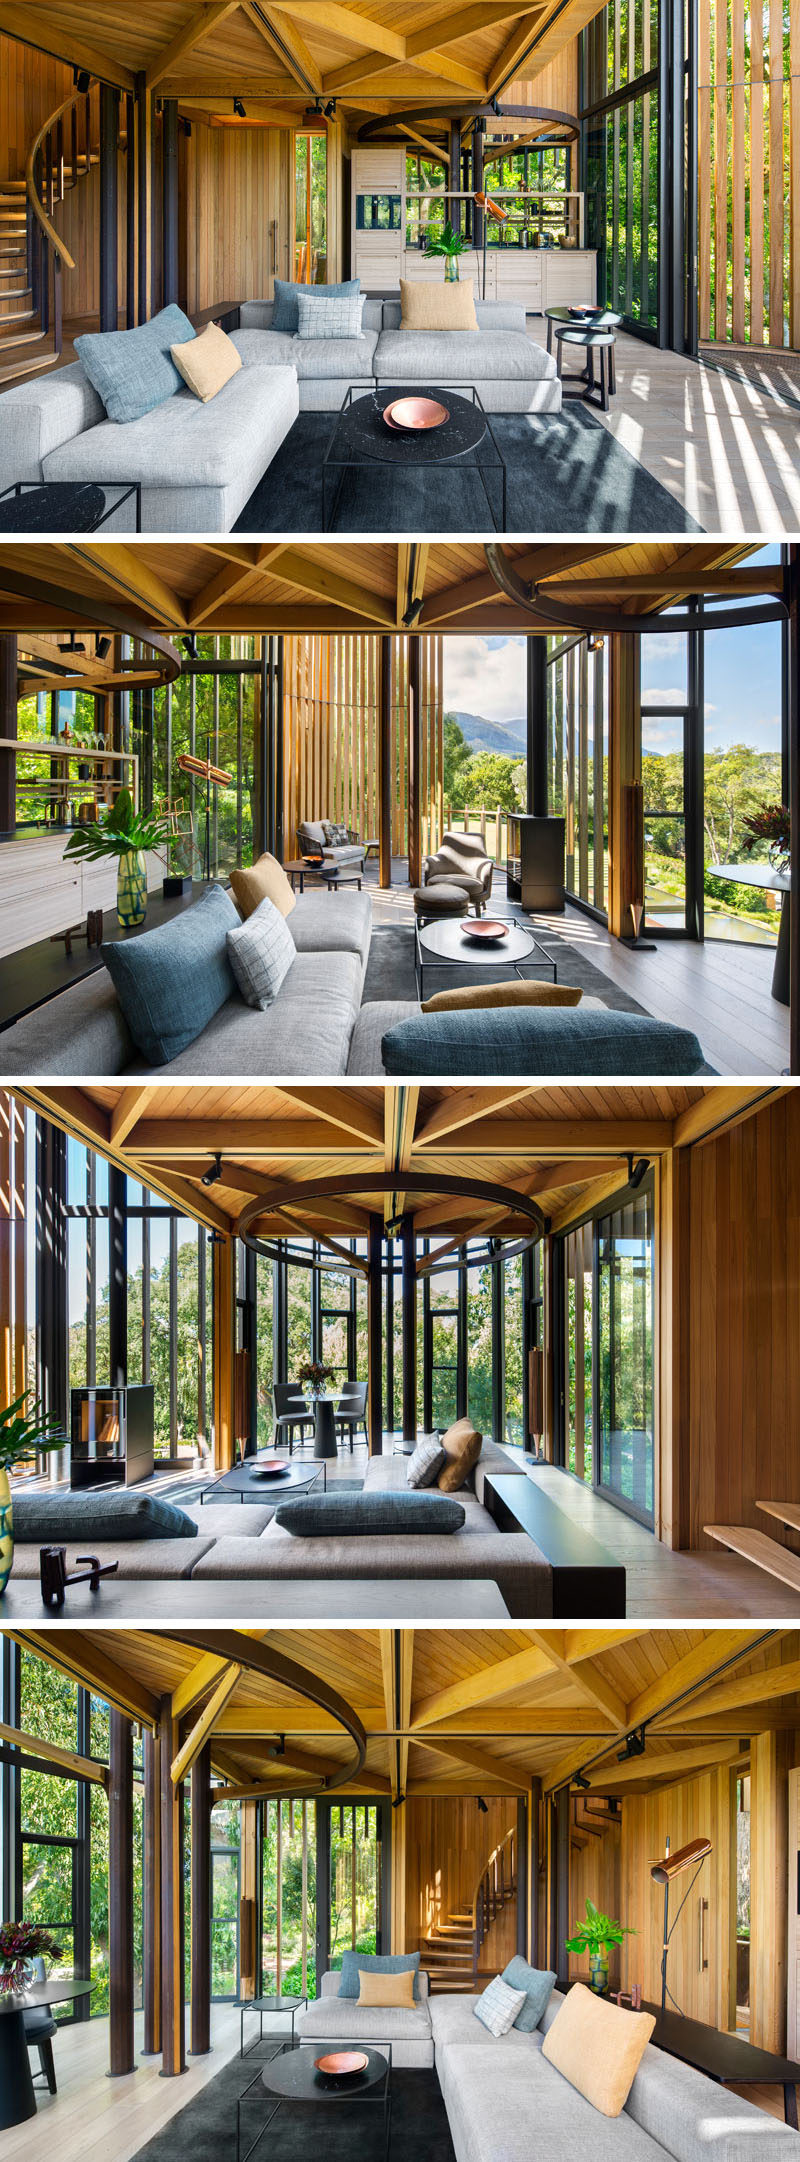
(755, 1546)
(27, 367)
(787, 1512)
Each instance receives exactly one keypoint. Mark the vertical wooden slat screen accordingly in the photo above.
(331, 752)
(749, 172)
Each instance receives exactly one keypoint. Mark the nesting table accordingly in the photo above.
(763, 875)
(273, 2005)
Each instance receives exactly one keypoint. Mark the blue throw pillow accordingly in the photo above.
(284, 308)
(538, 1984)
(376, 1963)
(133, 370)
(170, 982)
(539, 1040)
(53, 1518)
(333, 1516)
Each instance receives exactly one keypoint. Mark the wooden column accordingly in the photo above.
(375, 1334)
(770, 1758)
(409, 1312)
(673, 1513)
(144, 196)
(399, 1886)
(120, 1895)
(793, 702)
(624, 772)
(522, 1876)
(249, 1902)
(414, 732)
(109, 161)
(385, 764)
(173, 2039)
(8, 727)
(532, 1880)
(200, 1990)
(169, 199)
(151, 1895)
(224, 1360)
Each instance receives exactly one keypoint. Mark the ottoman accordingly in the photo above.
(442, 898)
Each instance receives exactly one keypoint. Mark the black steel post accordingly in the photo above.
(109, 159)
(536, 737)
(169, 157)
(409, 1313)
(8, 729)
(117, 1278)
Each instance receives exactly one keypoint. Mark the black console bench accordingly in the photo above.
(588, 1584)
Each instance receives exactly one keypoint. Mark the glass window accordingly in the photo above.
(743, 773)
(625, 1374)
(577, 728)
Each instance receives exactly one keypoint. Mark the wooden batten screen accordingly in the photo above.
(749, 172)
(12, 1248)
(331, 735)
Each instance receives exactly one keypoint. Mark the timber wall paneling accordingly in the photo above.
(448, 1841)
(331, 735)
(236, 199)
(793, 1916)
(749, 172)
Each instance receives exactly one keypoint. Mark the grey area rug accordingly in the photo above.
(206, 2129)
(390, 970)
(566, 474)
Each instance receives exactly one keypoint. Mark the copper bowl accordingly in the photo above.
(585, 309)
(411, 414)
(271, 1468)
(489, 928)
(342, 2063)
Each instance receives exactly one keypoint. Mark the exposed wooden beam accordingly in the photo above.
(285, 39)
(197, 1683)
(205, 20)
(515, 1672)
(340, 1107)
(514, 50)
(739, 1694)
(129, 1107)
(78, 1654)
(126, 571)
(719, 1108)
(204, 1725)
(515, 1776)
(35, 26)
(327, 584)
(661, 1765)
(584, 1676)
(233, 578)
(460, 1106)
(63, 1760)
(715, 1648)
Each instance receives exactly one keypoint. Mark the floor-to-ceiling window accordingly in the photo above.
(225, 1893)
(620, 68)
(604, 1351)
(577, 743)
(311, 207)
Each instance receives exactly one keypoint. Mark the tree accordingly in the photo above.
(457, 756)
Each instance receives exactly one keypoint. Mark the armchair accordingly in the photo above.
(336, 844)
(461, 861)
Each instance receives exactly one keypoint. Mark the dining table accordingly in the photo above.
(17, 2091)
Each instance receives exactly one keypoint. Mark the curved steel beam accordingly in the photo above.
(385, 1182)
(66, 605)
(449, 110)
(264, 1659)
(548, 615)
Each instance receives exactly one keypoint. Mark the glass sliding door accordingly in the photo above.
(354, 1908)
(225, 1891)
(624, 1442)
(578, 1349)
(577, 719)
(620, 55)
(289, 1897)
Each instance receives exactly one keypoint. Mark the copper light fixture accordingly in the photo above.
(672, 1865)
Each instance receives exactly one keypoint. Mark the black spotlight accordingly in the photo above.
(239, 109)
(102, 646)
(637, 1172)
(189, 642)
(483, 1806)
(330, 109)
(71, 644)
(579, 1780)
(214, 1172)
(81, 79)
(634, 1746)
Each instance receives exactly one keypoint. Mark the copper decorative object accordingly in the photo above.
(342, 2063)
(489, 928)
(415, 413)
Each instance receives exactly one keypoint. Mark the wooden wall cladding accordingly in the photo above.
(741, 1324)
(448, 1842)
(31, 86)
(749, 172)
(694, 1809)
(594, 1873)
(331, 723)
(236, 195)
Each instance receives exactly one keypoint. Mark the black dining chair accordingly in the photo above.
(40, 2028)
(351, 1410)
(293, 1413)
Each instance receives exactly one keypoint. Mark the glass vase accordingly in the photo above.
(132, 888)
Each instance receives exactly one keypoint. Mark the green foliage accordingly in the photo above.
(596, 1933)
(123, 829)
(24, 1428)
(474, 778)
(448, 242)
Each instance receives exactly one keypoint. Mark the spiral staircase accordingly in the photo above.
(451, 1953)
(33, 255)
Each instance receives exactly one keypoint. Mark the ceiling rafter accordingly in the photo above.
(204, 21)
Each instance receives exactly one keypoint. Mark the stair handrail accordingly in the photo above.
(32, 192)
(490, 1890)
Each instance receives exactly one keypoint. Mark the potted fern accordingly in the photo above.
(594, 1935)
(449, 244)
(24, 1428)
(127, 834)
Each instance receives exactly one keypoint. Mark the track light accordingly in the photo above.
(239, 109)
(399, 1801)
(483, 1806)
(594, 642)
(637, 1172)
(71, 644)
(330, 109)
(212, 1176)
(579, 1780)
(102, 646)
(81, 79)
(189, 644)
(634, 1746)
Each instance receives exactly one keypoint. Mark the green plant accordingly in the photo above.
(449, 243)
(596, 1933)
(25, 1427)
(123, 830)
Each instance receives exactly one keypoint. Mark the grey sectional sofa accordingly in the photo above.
(506, 2103)
(198, 464)
(332, 2018)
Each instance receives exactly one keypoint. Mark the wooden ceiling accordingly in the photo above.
(559, 1148)
(380, 586)
(284, 54)
(444, 1711)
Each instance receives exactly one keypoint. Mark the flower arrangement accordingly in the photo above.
(773, 824)
(20, 1943)
(594, 1935)
(314, 1375)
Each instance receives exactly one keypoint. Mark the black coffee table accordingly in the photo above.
(17, 2095)
(248, 1482)
(262, 2005)
(69, 506)
(291, 2079)
(443, 944)
(360, 441)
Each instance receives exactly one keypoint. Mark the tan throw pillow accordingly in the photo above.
(462, 1447)
(512, 993)
(385, 1989)
(429, 306)
(265, 880)
(207, 362)
(598, 2047)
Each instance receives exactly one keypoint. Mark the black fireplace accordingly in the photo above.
(111, 1433)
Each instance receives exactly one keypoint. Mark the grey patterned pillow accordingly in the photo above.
(326, 316)
(498, 2007)
(427, 1461)
(261, 952)
(338, 836)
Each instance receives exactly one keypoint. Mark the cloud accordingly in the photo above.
(486, 678)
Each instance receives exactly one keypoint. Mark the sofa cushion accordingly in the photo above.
(84, 1031)
(503, 2101)
(264, 880)
(338, 2019)
(306, 1030)
(261, 952)
(355, 1963)
(697, 2122)
(453, 2020)
(264, 348)
(133, 370)
(538, 1984)
(49, 1516)
(373, 1022)
(540, 1040)
(427, 305)
(462, 1447)
(491, 315)
(171, 981)
(208, 362)
(348, 360)
(426, 1462)
(42, 413)
(144, 1560)
(386, 1989)
(284, 306)
(497, 2008)
(182, 443)
(460, 356)
(508, 1559)
(354, 1516)
(328, 315)
(598, 2047)
(316, 927)
(471, 997)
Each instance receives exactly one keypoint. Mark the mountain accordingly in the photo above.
(507, 737)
